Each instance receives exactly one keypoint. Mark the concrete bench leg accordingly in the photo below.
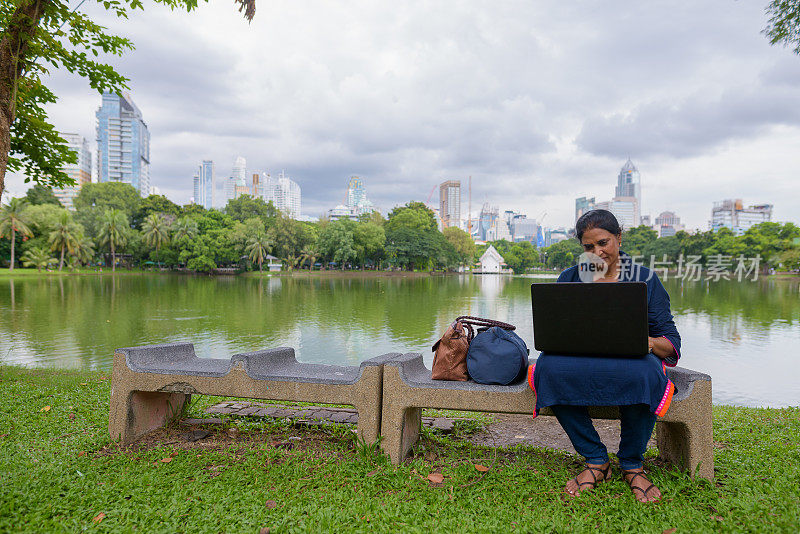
(400, 427)
(686, 435)
(687, 446)
(135, 413)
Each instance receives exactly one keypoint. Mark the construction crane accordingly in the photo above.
(428, 201)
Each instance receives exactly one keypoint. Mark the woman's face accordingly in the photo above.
(602, 243)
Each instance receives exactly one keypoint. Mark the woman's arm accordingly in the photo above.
(661, 347)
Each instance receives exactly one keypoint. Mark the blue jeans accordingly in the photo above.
(637, 423)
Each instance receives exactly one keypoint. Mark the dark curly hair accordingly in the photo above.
(597, 219)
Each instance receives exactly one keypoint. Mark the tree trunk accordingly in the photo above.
(113, 258)
(13, 238)
(61, 260)
(14, 49)
(260, 266)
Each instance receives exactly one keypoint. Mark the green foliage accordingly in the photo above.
(258, 247)
(155, 204)
(114, 231)
(247, 207)
(521, 257)
(413, 240)
(463, 245)
(41, 194)
(783, 26)
(635, 239)
(65, 236)
(291, 237)
(94, 200)
(336, 242)
(38, 257)
(14, 222)
(563, 254)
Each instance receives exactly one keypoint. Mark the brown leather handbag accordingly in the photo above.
(450, 352)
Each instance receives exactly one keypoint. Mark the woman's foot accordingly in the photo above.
(642, 488)
(588, 479)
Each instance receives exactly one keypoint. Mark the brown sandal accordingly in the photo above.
(633, 474)
(592, 483)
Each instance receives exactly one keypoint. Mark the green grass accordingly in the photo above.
(58, 470)
(30, 272)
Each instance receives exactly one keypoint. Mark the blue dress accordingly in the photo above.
(607, 381)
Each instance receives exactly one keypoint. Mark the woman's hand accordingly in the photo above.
(660, 346)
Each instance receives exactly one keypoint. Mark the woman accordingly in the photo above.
(639, 387)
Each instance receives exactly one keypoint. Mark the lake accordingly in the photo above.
(745, 334)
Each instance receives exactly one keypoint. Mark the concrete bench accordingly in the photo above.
(684, 434)
(150, 385)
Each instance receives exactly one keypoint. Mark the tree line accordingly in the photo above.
(778, 245)
(111, 221)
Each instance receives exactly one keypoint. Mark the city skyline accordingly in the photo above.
(706, 110)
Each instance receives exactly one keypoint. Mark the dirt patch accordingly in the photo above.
(511, 430)
(215, 437)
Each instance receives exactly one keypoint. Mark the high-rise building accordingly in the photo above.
(668, 224)
(582, 205)
(450, 203)
(357, 199)
(629, 182)
(123, 143)
(284, 193)
(732, 214)
(80, 171)
(256, 185)
(625, 209)
(204, 184)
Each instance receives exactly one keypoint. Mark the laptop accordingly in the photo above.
(600, 319)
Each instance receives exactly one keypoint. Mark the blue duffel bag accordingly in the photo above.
(497, 356)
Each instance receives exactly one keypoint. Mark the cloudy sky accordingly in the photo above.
(539, 102)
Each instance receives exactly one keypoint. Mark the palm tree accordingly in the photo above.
(185, 227)
(38, 257)
(113, 232)
(64, 236)
(13, 220)
(155, 231)
(309, 255)
(84, 249)
(257, 249)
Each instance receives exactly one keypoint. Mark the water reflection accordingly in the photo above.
(741, 333)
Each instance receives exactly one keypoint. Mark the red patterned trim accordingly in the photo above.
(531, 369)
(663, 406)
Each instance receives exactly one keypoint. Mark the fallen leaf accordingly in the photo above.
(436, 478)
(264, 530)
(166, 460)
(270, 505)
(99, 517)
(719, 518)
(71, 417)
(45, 409)
(669, 531)
(174, 454)
(84, 383)
(81, 453)
(373, 473)
(481, 468)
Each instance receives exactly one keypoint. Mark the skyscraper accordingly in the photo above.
(204, 183)
(81, 171)
(582, 205)
(629, 182)
(450, 203)
(123, 143)
(284, 194)
(732, 214)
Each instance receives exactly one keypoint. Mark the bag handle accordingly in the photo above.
(469, 321)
